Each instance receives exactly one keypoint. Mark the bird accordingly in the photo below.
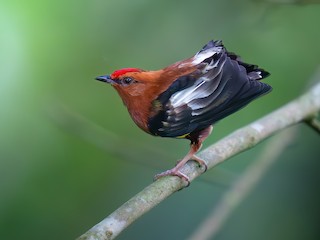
(185, 99)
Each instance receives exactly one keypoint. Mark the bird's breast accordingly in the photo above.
(139, 114)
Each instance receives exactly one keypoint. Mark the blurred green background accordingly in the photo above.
(69, 152)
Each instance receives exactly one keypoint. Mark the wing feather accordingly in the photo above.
(223, 85)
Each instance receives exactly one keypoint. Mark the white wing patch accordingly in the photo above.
(199, 89)
(184, 96)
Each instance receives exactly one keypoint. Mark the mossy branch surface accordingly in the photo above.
(299, 110)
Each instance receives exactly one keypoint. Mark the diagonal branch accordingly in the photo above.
(294, 112)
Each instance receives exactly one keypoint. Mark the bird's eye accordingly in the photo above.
(127, 80)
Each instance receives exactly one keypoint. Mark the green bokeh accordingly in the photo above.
(69, 152)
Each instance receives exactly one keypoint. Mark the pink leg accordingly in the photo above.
(191, 155)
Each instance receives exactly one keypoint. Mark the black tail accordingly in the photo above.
(253, 71)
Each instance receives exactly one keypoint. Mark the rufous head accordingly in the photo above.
(131, 81)
(125, 81)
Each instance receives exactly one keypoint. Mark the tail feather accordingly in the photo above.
(253, 71)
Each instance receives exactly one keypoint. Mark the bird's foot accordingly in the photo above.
(201, 163)
(173, 172)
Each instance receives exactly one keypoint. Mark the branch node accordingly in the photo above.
(314, 123)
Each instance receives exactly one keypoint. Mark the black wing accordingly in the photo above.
(222, 85)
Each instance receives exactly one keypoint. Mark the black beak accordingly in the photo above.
(105, 78)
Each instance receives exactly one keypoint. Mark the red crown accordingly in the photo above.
(120, 72)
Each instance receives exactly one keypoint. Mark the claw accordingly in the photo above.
(201, 163)
(173, 172)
